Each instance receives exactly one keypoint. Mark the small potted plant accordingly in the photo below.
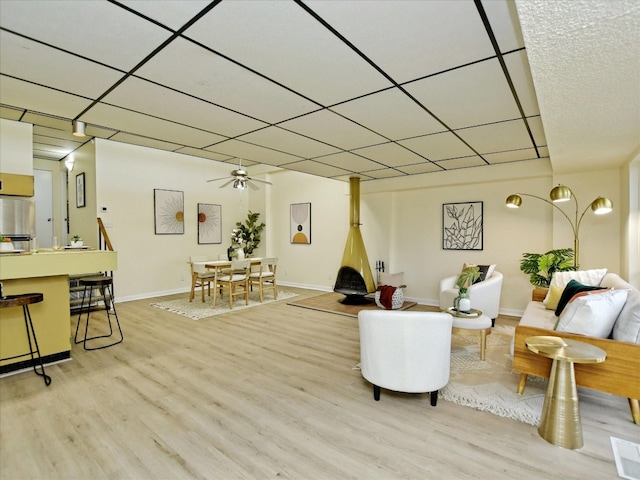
(466, 278)
(76, 241)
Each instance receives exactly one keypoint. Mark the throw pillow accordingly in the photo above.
(393, 279)
(569, 291)
(593, 315)
(485, 270)
(554, 297)
(586, 277)
(627, 326)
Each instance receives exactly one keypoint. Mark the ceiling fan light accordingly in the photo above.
(560, 194)
(239, 184)
(601, 206)
(78, 128)
(514, 201)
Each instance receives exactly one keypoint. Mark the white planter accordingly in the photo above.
(77, 244)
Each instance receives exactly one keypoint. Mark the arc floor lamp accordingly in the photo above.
(559, 194)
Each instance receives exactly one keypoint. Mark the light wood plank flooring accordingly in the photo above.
(267, 392)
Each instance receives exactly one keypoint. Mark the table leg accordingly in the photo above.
(560, 421)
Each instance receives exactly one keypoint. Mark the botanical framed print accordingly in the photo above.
(209, 223)
(300, 223)
(80, 191)
(462, 226)
(168, 211)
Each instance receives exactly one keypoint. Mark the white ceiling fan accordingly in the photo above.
(240, 179)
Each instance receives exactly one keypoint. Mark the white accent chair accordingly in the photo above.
(405, 351)
(484, 295)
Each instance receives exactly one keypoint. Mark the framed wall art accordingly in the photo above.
(168, 212)
(80, 191)
(462, 226)
(300, 223)
(209, 223)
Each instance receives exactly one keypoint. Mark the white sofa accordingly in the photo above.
(484, 295)
(617, 375)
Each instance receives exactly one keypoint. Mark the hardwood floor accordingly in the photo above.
(266, 392)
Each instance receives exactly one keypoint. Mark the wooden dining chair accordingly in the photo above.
(236, 280)
(200, 276)
(264, 277)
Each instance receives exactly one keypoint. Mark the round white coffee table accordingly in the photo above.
(472, 323)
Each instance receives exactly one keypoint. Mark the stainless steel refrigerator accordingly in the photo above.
(18, 220)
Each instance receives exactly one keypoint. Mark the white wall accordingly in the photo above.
(16, 147)
(150, 264)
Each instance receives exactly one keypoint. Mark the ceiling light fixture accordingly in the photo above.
(239, 184)
(78, 128)
(561, 193)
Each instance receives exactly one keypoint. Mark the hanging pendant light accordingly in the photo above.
(78, 128)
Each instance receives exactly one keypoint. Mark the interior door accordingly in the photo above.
(43, 195)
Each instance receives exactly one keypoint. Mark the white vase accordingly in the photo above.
(77, 244)
(240, 254)
(465, 305)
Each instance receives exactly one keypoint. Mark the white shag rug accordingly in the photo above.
(491, 385)
(197, 310)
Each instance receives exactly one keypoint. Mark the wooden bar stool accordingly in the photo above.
(105, 285)
(24, 300)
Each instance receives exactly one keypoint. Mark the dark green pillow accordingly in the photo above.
(570, 290)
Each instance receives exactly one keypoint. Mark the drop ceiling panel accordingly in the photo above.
(324, 68)
(464, 162)
(289, 142)
(503, 18)
(410, 39)
(172, 13)
(390, 154)
(47, 66)
(349, 161)
(468, 96)
(196, 71)
(518, 66)
(168, 104)
(52, 125)
(256, 153)
(511, 156)
(319, 169)
(390, 113)
(51, 152)
(62, 135)
(154, 128)
(41, 99)
(203, 154)
(425, 167)
(144, 142)
(103, 32)
(11, 113)
(438, 146)
(497, 137)
(535, 124)
(328, 127)
(54, 142)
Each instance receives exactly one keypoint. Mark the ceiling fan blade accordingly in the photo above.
(227, 183)
(252, 185)
(216, 179)
(258, 180)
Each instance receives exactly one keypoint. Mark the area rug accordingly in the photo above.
(330, 302)
(197, 310)
(490, 385)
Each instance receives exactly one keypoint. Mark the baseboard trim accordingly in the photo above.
(28, 364)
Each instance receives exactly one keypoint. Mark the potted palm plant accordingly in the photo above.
(541, 266)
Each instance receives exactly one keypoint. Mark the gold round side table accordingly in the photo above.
(560, 420)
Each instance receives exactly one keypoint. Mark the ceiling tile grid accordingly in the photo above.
(375, 88)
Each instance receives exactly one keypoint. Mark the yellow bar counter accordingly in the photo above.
(45, 272)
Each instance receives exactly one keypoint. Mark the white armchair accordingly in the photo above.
(483, 295)
(405, 351)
